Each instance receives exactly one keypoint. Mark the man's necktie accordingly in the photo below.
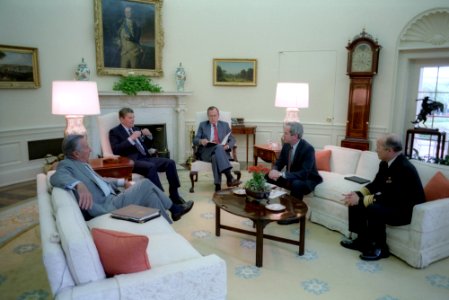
(290, 158)
(216, 140)
(103, 185)
(137, 143)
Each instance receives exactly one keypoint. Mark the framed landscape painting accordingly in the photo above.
(19, 68)
(235, 72)
(129, 37)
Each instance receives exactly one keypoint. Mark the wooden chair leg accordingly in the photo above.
(193, 177)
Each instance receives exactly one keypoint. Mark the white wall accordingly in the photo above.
(196, 31)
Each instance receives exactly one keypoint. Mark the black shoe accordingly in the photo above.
(288, 221)
(218, 187)
(352, 244)
(180, 210)
(178, 200)
(233, 182)
(375, 254)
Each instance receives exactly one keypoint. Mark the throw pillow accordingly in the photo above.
(322, 158)
(121, 252)
(437, 187)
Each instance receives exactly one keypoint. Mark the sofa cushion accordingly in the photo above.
(79, 248)
(343, 160)
(322, 158)
(170, 248)
(437, 187)
(427, 170)
(334, 186)
(155, 226)
(121, 252)
(368, 165)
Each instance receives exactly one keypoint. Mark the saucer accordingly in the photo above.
(275, 207)
(239, 192)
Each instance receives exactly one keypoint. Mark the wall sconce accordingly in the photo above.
(75, 99)
(292, 96)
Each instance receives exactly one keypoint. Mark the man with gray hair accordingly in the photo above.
(298, 158)
(389, 199)
(98, 195)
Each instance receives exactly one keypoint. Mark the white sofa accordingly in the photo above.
(422, 242)
(75, 271)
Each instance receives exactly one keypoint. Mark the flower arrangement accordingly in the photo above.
(257, 183)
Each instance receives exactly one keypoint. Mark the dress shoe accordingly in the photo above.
(352, 244)
(233, 182)
(180, 210)
(178, 200)
(375, 254)
(218, 187)
(288, 221)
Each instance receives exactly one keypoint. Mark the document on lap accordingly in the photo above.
(224, 142)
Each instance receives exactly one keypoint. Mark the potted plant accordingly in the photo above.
(132, 84)
(257, 187)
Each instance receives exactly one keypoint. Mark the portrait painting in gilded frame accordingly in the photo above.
(129, 37)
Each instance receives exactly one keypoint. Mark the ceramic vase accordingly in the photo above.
(83, 71)
(180, 78)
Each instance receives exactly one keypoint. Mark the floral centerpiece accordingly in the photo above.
(256, 187)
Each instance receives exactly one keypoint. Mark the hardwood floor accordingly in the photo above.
(15, 193)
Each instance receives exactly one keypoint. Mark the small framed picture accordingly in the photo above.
(235, 72)
(19, 68)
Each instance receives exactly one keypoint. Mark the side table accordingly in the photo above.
(247, 130)
(268, 152)
(441, 140)
(120, 167)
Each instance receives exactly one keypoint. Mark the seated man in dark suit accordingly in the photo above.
(388, 199)
(134, 143)
(298, 157)
(97, 195)
(209, 137)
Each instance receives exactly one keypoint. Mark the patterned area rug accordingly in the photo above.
(17, 219)
(325, 271)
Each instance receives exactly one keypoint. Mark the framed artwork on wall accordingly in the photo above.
(19, 68)
(235, 72)
(129, 37)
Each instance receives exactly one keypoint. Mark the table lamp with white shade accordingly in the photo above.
(75, 99)
(293, 96)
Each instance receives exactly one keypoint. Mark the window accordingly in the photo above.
(434, 86)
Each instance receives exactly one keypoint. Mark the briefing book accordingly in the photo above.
(136, 213)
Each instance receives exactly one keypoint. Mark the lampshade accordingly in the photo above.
(292, 96)
(75, 99)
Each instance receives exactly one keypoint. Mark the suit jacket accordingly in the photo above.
(204, 130)
(398, 186)
(303, 165)
(69, 171)
(118, 137)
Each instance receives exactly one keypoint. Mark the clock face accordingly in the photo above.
(362, 58)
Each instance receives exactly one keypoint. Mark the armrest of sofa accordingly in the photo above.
(201, 278)
(431, 216)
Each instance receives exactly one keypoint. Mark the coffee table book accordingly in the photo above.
(136, 213)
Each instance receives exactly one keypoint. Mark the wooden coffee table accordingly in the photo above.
(120, 167)
(241, 206)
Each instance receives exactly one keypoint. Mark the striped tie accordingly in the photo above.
(216, 139)
(290, 158)
(137, 143)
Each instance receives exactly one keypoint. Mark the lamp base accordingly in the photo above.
(74, 125)
(291, 115)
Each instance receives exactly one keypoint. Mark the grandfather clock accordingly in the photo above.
(363, 58)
